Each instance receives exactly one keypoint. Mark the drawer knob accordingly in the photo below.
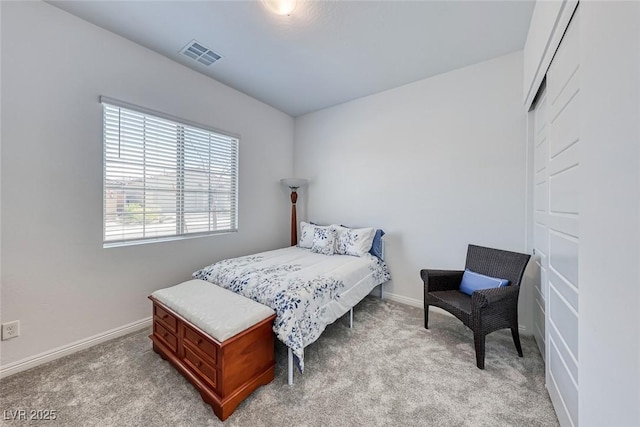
(199, 341)
(199, 364)
(165, 316)
(166, 334)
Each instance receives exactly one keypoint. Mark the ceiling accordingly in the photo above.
(326, 52)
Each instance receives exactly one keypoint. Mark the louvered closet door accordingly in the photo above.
(540, 214)
(562, 311)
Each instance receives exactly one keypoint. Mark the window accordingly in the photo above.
(165, 178)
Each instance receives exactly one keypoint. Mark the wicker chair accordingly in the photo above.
(487, 310)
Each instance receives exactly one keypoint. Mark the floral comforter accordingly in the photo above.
(308, 291)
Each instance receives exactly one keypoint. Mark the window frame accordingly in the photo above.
(180, 171)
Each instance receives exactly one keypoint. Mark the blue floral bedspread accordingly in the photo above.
(308, 291)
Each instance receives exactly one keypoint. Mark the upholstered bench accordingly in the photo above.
(221, 342)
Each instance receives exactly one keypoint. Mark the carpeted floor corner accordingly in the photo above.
(386, 371)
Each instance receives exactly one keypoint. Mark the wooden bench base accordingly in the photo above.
(224, 373)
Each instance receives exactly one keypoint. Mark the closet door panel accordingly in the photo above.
(562, 309)
(540, 218)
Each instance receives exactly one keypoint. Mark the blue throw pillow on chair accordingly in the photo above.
(472, 281)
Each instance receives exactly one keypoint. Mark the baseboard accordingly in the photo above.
(404, 300)
(420, 304)
(414, 303)
(56, 353)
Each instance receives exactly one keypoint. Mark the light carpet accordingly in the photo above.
(386, 371)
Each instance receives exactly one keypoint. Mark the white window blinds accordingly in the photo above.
(165, 178)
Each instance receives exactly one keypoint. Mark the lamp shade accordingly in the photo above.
(294, 182)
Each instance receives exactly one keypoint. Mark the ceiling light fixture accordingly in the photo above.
(281, 7)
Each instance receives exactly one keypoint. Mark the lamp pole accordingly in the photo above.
(294, 219)
(294, 184)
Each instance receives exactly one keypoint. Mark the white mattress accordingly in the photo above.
(308, 291)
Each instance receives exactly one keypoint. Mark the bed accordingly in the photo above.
(307, 290)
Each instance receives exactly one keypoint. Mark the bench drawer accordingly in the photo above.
(162, 333)
(202, 343)
(200, 366)
(165, 317)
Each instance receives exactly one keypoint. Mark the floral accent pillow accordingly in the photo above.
(341, 246)
(355, 241)
(324, 240)
(306, 235)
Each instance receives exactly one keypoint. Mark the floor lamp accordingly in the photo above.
(294, 184)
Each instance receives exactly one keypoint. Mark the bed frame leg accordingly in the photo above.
(351, 318)
(290, 366)
(381, 294)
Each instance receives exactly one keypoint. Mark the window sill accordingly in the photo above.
(118, 244)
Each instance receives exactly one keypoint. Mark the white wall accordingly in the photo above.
(438, 164)
(56, 277)
(609, 341)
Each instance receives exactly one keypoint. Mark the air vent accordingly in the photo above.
(196, 51)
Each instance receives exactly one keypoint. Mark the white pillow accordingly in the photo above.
(306, 235)
(355, 241)
(324, 240)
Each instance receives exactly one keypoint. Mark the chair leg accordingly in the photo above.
(516, 340)
(426, 316)
(478, 340)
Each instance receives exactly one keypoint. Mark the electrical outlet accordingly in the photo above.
(10, 330)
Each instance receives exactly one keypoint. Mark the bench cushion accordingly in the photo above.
(218, 312)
